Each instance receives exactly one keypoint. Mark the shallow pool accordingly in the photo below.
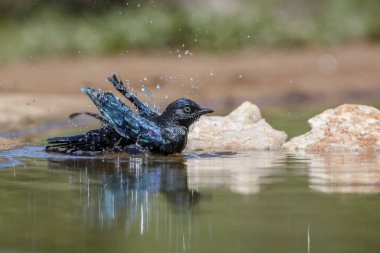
(198, 202)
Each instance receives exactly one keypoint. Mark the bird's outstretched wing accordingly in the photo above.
(144, 110)
(128, 124)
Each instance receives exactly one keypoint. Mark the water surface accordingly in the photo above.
(198, 202)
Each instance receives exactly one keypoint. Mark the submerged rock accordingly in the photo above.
(242, 129)
(345, 128)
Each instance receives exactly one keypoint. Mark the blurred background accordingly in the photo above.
(285, 56)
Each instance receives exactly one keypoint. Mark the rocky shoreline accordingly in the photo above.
(348, 127)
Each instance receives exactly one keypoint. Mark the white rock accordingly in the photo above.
(345, 128)
(246, 113)
(242, 129)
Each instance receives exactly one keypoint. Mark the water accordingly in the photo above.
(198, 202)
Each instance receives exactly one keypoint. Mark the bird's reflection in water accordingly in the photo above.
(134, 190)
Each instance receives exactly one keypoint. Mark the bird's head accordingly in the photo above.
(184, 112)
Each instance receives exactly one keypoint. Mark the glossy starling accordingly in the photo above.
(123, 130)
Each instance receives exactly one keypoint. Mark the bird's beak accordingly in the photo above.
(205, 111)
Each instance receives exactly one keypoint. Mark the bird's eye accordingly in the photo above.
(187, 109)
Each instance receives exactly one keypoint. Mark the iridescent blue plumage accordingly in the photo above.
(145, 111)
(128, 124)
(125, 130)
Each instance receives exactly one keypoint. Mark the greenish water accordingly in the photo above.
(219, 202)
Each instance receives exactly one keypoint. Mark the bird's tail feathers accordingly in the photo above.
(68, 144)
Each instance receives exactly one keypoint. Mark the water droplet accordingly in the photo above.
(132, 92)
(158, 86)
(146, 91)
(212, 74)
(187, 52)
(179, 55)
(240, 76)
(194, 86)
(291, 81)
(138, 5)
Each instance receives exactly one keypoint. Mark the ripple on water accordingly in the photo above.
(242, 172)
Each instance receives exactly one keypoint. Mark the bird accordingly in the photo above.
(124, 130)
